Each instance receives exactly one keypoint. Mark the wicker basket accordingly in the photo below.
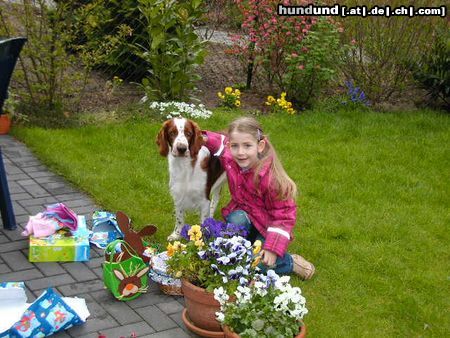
(167, 284)
(171, 290)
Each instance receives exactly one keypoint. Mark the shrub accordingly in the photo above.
(174, 49)
(383, 47)
(296, 53)
(49, 85)
(312, 63)
(105, 31)
(433, 71)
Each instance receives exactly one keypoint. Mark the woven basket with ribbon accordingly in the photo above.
(126, 278)
(158, 273)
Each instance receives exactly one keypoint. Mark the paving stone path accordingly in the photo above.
(32, 186)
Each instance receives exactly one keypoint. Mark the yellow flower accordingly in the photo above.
(237, 92)
(291, 111)
(178, 246)
(178, 274)
(170, 250)
(237, 103)
(283, 95)
(268, 103)
(270, 99)
(256, 261)
(199, 243)
(228, 90)
(220, 95)
(195, 233)
(257, 247)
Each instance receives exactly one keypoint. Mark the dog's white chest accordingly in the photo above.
(187, 182)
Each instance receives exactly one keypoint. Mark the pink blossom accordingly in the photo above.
(301, 67)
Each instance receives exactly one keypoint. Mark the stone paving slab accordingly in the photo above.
(32, 186)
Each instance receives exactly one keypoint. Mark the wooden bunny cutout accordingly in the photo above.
(133, 238)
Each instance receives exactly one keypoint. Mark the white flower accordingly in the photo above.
(220, 295)
(243, 294)
(224, 260)
(170, 109)
(220, 316)
(281, 283)
(260, 288)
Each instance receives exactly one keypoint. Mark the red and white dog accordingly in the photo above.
(194, 174)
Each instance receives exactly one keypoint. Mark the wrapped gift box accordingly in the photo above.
(63, 246)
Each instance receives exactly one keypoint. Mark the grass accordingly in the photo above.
(373, 212)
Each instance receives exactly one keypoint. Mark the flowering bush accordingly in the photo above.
(297, 53)
(174, 109)
(280, 105)
(213, 254)
(312, 63)
(267, 35)
(231, 98)
(270, 307)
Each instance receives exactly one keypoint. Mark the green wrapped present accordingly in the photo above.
(63, 246)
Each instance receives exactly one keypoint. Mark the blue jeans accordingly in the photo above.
(283, 265)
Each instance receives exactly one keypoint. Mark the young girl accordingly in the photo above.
(262, 194)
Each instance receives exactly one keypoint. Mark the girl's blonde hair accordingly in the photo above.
(285, 186)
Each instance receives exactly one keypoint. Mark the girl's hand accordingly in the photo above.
(268, 258)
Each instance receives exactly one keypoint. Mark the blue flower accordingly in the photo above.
(184, 231)
(234, 230)
(211, 228)
(355, 94)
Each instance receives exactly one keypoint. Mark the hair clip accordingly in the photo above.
(260, 134)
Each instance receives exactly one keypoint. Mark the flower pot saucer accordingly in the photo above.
(199, 331)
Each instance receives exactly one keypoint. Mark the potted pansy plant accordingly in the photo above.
(214, 254)
(269, 307)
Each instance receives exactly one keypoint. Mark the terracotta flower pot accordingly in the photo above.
(230, 334)
(201, 307)
(5, 124)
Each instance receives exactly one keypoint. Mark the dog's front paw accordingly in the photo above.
(174, 236)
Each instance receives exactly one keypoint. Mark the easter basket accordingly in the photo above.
(167, 284)
(126, 278)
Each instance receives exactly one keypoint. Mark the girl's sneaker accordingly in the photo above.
(302, 267)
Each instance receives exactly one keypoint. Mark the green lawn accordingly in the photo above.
(374, 207)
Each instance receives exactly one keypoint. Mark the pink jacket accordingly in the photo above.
(273, 218)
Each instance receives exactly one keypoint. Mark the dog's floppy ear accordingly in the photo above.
(162, 141)
(196, 139)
